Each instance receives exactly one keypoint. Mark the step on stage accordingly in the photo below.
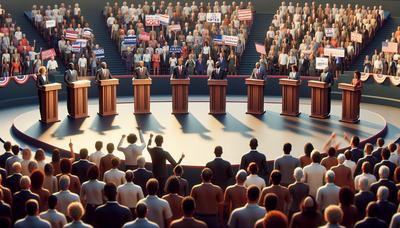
(197, 133)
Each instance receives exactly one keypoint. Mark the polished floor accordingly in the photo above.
(197, 133)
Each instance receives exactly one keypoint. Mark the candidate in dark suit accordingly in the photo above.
(222, 169)
(180, 71)
(27, 66)
(103, 73)
(327, 77)
(80, 168)
(70, 76)
(257, 157)
(258, 73)
(141, 71)
(294, 74)
(159, 158)
(218, 73)
(41, 80)
(111, 214)
(21, 197)
(222, 61)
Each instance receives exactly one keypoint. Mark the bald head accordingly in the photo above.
(341, 158)
(16, 167)
(25, 182)
(298, 174)
(384, 172)
(241, 176)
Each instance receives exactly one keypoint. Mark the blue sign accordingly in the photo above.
(175, 49)
(130, 40)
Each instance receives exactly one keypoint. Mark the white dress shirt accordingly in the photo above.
(114, 176)
(371, 179)
(158, 210)
(328, 195)
(55, 218)
(96, 156)
(129, 194)
(254, 179)
(314, 176)
(92, 192)
(132, 151)
(64, 198)
(246, 216)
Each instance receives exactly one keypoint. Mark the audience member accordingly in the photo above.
(114, 175)
(346, 203)
(253, 178)
(384, 181)
(129, 193)
(54, 217)
(363, 197)
(133, 150)
(188, 220)
(309, 215)
(222, 170)
(343, 176)
(173, 198)
(37, 179)
(65, 196)
(183, 183)
(314, 173)
(333, 216)
(386, 208)
(286, 165)
(235, 195)
(75, 212)
(331, 160)
(298, 191)
(256, 157)
(141, 175)
(21, 197)
(141, 220)
(371, 219)
(81, 167)
(31, 209)
(329, 193)
(279, 190)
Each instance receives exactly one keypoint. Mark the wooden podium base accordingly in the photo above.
(256, 113)
(290, 114)
(77, 116)
(350, 121)
(107, 114)
(49, 121)
(320, 117)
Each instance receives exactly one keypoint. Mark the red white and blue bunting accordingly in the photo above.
(380, 78)
(20, 79)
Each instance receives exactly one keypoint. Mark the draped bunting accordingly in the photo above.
(380, 78)
(20, 79)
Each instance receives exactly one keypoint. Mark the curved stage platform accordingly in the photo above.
(197, 133)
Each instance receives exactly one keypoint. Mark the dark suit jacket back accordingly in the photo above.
(371, 159)
(159, 159)
(222, 172)
(370, 222)
(12, 182)
(258, 158)
(356, 154)
(218, 76)
(361, 201)
(141, 176)
(80, 169)
(3, 158)
(19, 201)
(112, 215)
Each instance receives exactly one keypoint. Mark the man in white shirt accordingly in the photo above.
(96, 156)
(14, 158)
(32, 219)
(114, 175)
(129, 193)
(159, 210)
(110, 20)
(82, 65)
(141, 221)
(65, 196)
(329, 193)
(133, 150)
(55, 218)
(314, 173)
(247, 216)
(394, 155)
(52, 65)
(253, 178)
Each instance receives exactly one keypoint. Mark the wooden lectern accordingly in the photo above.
(79, 99)
(49, 103)
(180, 93)
(108, 97)
(217, 96)
(290, 97)
(319, 99)
(142, 95)
(255, 96)
(351, 98)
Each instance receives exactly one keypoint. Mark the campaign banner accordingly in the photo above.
(50, 23)
(260, 49)
(76, 47)
(230, 40)
(175, 28)
(4, 81)
(217, 39)
(152, 20)
(335, 52)
(329, 32)
(245, 15)
(356, 37)
(87, 33)
(99, 53)
(389, 47)
(213, 17)
(163, 18)
(130, 40)
(144, 36)
(47, 54)
(175, 49)
(83, 42)
(71, 35)
(321, 63)
(21, 79)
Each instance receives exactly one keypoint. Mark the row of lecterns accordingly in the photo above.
(180, 91)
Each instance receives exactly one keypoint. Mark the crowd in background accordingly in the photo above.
(298, 35)
(68, 18)
(18, 56)
(357, 188)
(195, 39)
(387, 63)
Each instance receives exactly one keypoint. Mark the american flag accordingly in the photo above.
(260, 49)
(230, 40)
(245, 15)
(390, 47)
(164, 19)
(87, 33)
(76, 47)
(71, 35)
(217, 39)
(175, 28)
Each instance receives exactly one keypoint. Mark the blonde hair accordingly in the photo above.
(42, 69)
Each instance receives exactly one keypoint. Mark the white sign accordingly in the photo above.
(329, 32)
(50, 23)
(213, 17)
(334, 52)
(321, 63)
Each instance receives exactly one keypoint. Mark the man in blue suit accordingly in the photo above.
(327, 77)
(258, 72)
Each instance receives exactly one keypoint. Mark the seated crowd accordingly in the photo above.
(356, 189)
(387, 63)
(298, 35)
(18, 56)
(75, 47)
(193, 42)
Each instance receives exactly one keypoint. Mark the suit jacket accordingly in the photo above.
(222, 172)
(258, 74)
(286, 165)
(141, 74)
(369, 222)
(70, 76)
(188, 222)
(180, 74)
(105, 164)
(343, 176)
(159, 159)
(378, 154)
(141, 176)
(5, 210)
(218, 75)
(27, 67)
(361, 201)
(356, 154)
(19, 201)
(294, 75)
(386, 210)
(369, 158)
(390, 185)
(112, 214)
(103, 74)
(40, 81)
(258, 158)
(80, 169)
(12, 182)
(3, 158)
(387, 163)
(328, 78)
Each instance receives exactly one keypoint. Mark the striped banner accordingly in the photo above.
(4, 81)
(175, 28)
(245, 15)
(21, 79)
(164, 19)
(71, 35)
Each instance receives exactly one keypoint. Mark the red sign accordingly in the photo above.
(47, 54)
(145, 36)
(152, 20)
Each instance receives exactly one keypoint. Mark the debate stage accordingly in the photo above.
(197, 133)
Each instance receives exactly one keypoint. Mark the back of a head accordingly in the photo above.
(25, 182)
(152, 186)
(188, 206)
(271, 201)
(346, 196)
(298, 174)
(178, 170)
(15, 149)
(333, 214)
(7, 146)
(206, 175)
(315, 156)
(392, 147)
(287, 148)
(65, 165)
(159, 140)
(341, 158)
(355, 141)
(129, 176)
(52, 201)
(48, 169)
(98, 145)
(385, 153)
(253, 193)
(252, 168)
(16, 167)
(172, 185)
(241, 176)
(383, 172)
(253, 143)
(110, 191)
(373, 210)
(110, 148)
(330, 176)
(331, 151)
(37, 178)
(141, 162)
(275, 219)
(83, 153)
(308, 148)
(132, 138)
(141, 210)
(55, 156)
(368, 148)
(276, 177)
(382, 194)
(93, 173)
(64, 182)
(347, 154)
(380, 142)
(218, 151)
(39, 155)
(115, 163)
(31, 207)
(75, 211)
